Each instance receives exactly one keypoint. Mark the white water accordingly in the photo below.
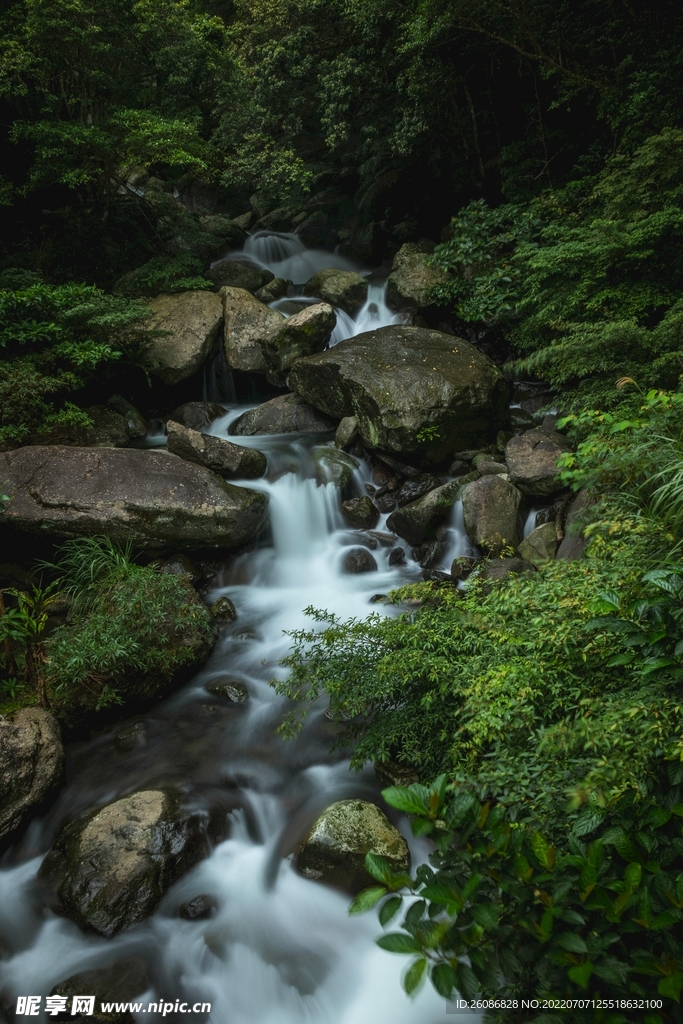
(373, 313)
(286, 256)
(281, 949)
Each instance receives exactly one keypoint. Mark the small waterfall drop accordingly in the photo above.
(286, 256)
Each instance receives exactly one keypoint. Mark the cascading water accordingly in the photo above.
(286, 256)
(280, 949)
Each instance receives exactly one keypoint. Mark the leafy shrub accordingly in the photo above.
(132, 631)
(503, 914)
(53, 341)
(164, 274)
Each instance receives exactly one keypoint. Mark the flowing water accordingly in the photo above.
(280, 949)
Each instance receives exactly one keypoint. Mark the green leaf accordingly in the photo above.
(572, 942)
(367, 899)
(399, 942)
(414, 975)
(671, 986)
(632, 875)
(443, 979)
(486, 915)
(581, 974)
(380, 868)
(389, 910)
(409, 799)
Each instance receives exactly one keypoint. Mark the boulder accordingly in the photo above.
(110, 870)
(342, 288)
(107, 429)
(239, 274)
(358, 560)
(199, 908)
(500, 568)
(416, 488)
(540, 545)
(286, 414)
(224, 610)
(197, 415)
(149, 497)
(301, 335)
(532, 461)
(360, 513)
(120, 983)
(412, 390)
(274, 290)
(413, 279)
(489, 468)
(192, 320)
(574, 543)
(232, 690)
(31, 763)
(419, 520)
(247, 323)
(181, 565)
(136, 424)
(490, 508)
(216, 453)
(347, 432)
(334, 850)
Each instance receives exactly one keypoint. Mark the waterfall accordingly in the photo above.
(286, 256)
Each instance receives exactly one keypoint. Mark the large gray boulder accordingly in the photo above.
(419, 520)
(239, 274)
(150, 497)
(301, 335)
(111, 869)
(286, 414)
(197, 415)
(412, 390)
(540, 545)
(490, 508)
(342, 288)
(532, 461)
(334, 850)
(247, 323)
(233, 461)
(574, 543)
(31, 763)
(412, 279)
(192, 320)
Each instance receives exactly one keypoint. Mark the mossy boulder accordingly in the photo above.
(110, 870)
(247, 323)
(413, 279)
(342, 288)
(232, 461)
(286, 414)
(190, 321)
(419, 520)
(301, 335)
(333, 466)
(412, 390)
(532, 460)
(334, 850)
(491, 512)
(31, 763)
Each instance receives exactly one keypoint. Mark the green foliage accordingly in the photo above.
(54, 340)
(502, 913)
(164, 274)
(131, 630)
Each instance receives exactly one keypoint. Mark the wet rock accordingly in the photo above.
(429, 553)
(130, 737)
(247, 323)
(136, 424)
(181, 565)
(397, 556)
(198, 909)
(275, 289)
(488, 468)
(540, 545)
(301, 335)
(334, 850)
(232, 461)
(110, 869)
(192, 320)
(532, 460)
(574, 543)
(31, 763)
(333, 466)
(360, 513)
(122, 982)
(385, 501)
(520, 419)
(462, 566)
(490, 508)
(149, 497)
(412, 279)
(342, 288)
(358, 560)
(239, 274)
(106, 429)
(416, 488)
(224, 610)
(399, 381)
(500, 568)
(286, 414)
(347, 432)
(232, 690)
(419, 520)
(197, 415)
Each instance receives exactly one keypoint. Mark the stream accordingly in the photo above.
(280, 949)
